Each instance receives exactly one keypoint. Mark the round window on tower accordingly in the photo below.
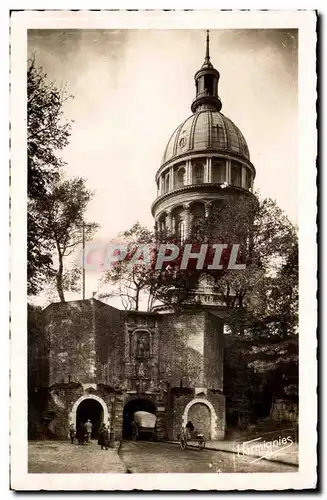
(182, 142)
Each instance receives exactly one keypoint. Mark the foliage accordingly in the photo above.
(71, 281)
(63, 209)
(265, 333)
(264, 234)
(47, 134)
(241, 385)
(132, 279)
(129, 281)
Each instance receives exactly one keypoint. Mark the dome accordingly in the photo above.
(206, 131)
(205, 161)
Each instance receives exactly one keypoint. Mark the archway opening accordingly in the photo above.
(200, 416)
(198, 216)
(129, 409)
(90, 409)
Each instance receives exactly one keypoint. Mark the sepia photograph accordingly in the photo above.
(162, 311)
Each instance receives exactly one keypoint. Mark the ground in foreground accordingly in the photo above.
(64, 457)
(141, 457)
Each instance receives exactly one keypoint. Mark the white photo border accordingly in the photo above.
(305, 22)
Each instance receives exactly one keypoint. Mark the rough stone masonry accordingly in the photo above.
(102, 363)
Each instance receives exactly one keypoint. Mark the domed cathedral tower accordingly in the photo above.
(205, 161)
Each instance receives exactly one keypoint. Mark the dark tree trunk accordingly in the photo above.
(60, 271)
(137, 299)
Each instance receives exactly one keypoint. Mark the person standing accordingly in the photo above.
(81, 434)
(104, 437)
(72, 432)
(88, 426)
(189, 428)
(100, 438)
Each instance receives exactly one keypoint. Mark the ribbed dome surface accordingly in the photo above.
(206, 130)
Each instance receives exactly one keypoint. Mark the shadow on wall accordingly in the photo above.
(39, 419)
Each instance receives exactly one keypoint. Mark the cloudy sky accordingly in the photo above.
(133, 87)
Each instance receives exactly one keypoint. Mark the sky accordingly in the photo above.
(132, 88)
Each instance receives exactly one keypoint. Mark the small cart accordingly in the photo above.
(143, 423)
(189, 437)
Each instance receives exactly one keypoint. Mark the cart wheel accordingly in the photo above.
(183, 443)
(202, 443)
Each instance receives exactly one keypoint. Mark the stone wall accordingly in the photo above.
(62, 410)
(109, 344)
(86, 343)
(217, 399)
(181, 349)
(213, 352)
(38, 350)
(191, 350)
(179, 399)
(61, 400)
(284, 410)
(70, 331)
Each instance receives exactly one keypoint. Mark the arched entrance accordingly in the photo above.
(200, 416)
(203, 420)
(130, 408)
(89, 407)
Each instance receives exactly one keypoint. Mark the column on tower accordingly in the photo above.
(171, 179)
(169, 221)
(173, 223)
(188, 219)
(243, 182)
(207, 208)
(188, 172)
(156, 225)
(229, 172)
(206, 170)
(209, 162)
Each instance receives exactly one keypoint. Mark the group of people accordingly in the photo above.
(84, 432)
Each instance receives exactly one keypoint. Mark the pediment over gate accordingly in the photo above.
(91, 391)
(90, 388)
(200, 392)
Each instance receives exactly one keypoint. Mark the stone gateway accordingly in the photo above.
(104, 364)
